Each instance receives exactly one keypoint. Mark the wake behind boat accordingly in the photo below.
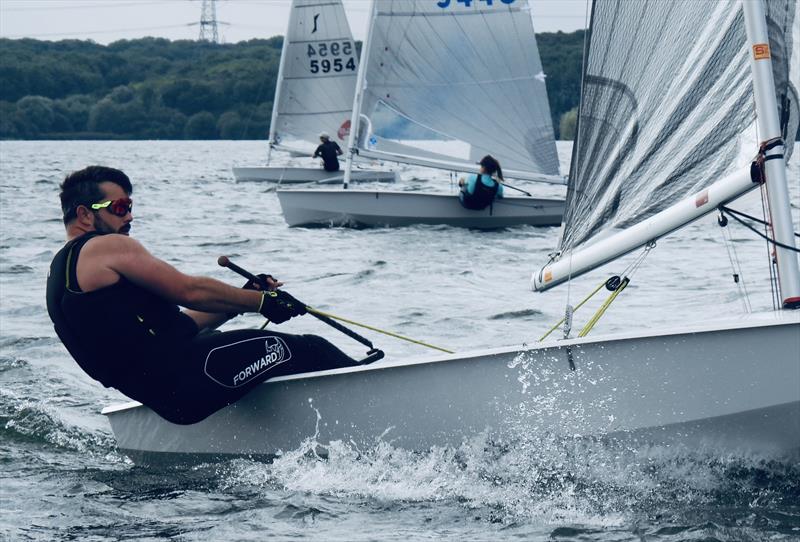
(336, 207)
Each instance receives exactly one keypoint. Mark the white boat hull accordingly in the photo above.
(294, 175)
(332, 207)
(734, 387)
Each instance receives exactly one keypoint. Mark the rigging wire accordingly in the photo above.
(576, 155)
(733, 257)
(71, 7)
(95, 32)
(773, 279)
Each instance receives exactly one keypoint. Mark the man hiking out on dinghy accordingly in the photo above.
(479, 191)
(115, 307)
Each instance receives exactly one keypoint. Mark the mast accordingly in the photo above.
(276, 99)
(775, 164)
(355, 118)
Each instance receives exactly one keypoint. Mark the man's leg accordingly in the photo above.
(220, 368)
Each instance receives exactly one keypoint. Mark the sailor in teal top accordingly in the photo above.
(487, 181)
(479, 191)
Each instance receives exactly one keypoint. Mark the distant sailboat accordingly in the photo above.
(457, 70)
(314, 93)
(669, 122)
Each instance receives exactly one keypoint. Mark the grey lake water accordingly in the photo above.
(62, 477)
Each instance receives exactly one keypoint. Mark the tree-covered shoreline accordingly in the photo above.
(153, 88)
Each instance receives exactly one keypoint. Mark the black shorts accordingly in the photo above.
(220, 368)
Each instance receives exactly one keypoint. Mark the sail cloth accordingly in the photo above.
(666, 107)
(466, 70)
(320, 67)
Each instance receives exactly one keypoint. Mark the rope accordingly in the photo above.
(629, 272)
(601, 311)
(754, 230)
(764, 209)
(578, 306)
(745, 215)
(773, 279)
(365, 326)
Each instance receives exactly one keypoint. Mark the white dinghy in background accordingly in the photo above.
(470, 74)
(294, 175)
(726, 386)
(336, 207)
(313, 94)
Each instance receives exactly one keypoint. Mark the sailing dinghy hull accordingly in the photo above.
(293, 175)
(735, 388)
(396, 208)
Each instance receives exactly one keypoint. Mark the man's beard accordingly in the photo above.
(101, 226)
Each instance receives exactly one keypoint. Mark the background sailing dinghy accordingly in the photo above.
(469, 73)
(313, 94)
(396, 208)
(295, 175)
(730, 387)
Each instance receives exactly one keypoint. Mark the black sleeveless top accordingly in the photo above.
(482, 197)
(122, 335)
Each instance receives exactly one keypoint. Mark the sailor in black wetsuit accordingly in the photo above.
(479, 191)
(115, 308)
(329, 151)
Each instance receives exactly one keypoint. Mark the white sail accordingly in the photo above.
(468, 71)
(319, 65)
(659, 125)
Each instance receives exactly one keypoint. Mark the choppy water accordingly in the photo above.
(62, 478)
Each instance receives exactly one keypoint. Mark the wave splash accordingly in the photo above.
(543, 480)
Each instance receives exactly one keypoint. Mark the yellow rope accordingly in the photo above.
(578, 306)
(395, 335)
(590, 324)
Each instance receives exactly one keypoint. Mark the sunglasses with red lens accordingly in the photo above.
(117, 207)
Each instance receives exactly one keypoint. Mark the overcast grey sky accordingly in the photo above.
(105, 21)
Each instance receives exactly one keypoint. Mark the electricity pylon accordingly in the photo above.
(208, 22)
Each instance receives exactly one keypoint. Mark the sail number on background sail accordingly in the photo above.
(446, 3)
(333, 56)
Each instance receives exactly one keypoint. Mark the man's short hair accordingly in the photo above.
(82, 188)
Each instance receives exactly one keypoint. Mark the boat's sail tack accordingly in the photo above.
(320, 65)
(469, 71)
(666, 107)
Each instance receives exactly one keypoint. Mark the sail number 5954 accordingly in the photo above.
(334, 56)
(467, 3)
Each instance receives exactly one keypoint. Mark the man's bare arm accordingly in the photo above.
(127, 257)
